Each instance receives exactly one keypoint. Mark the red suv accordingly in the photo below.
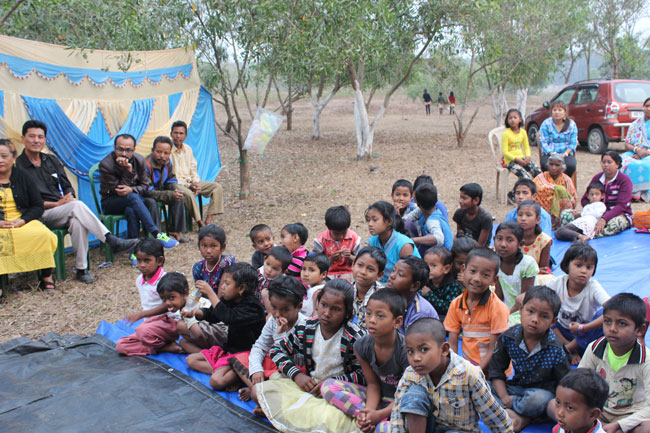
(602, 110)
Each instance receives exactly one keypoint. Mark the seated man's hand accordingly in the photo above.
(178, 195)
(195, 188)
(123, 190)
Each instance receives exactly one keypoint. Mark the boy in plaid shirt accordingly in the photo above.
(440, 391)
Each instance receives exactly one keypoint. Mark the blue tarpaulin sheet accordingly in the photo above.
(622, 267)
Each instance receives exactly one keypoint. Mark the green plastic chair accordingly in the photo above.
(112, 222)
(59, 254)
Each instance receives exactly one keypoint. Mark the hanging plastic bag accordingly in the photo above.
(264, 126)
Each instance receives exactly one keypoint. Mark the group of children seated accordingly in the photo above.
(353, 337)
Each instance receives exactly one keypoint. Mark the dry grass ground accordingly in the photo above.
(296, 180)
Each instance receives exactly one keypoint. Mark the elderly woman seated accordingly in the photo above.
(25, 243)
(617, 197)
(555, 190)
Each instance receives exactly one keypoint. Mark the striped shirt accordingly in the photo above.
(296, 350)
(298, 257)
(460, 399)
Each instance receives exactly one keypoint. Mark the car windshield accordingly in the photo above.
(631, 92)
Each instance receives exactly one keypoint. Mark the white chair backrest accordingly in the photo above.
(496, 150)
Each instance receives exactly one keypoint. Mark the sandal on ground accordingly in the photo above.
(46, 286)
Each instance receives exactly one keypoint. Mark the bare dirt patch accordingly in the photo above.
(296, 180)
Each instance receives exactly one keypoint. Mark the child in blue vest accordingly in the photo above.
(433, 228)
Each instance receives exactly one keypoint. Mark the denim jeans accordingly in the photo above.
(133, 207)
(583, 340)
(416, 401)
(530, 402)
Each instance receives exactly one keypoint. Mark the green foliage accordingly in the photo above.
(634, 60)
(120, 25)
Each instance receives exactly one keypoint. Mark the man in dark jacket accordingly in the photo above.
(124, 182)
(62, 209)
(164, 187)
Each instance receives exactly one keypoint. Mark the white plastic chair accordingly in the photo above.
(494, 138)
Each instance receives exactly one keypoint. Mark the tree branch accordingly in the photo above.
(10, 12)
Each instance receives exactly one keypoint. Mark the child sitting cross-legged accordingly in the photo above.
(442, 287)
(367, 269)
(409, 275)
(538, 358)
(471, 219)
(440, 391)
(432, 226)
(285, 296)
(624, 363)
(276, 263)
(263, 240)
(158, 333)
(382, 355)
(478, 313)
(319, 349)
(579, 401)
(313, 275)
(239, 309)
(207, 274)
(338, 242)
(580, 320)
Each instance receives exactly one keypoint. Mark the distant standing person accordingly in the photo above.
(189, 181)
(452, 103)
(427, 101)
(441, 102)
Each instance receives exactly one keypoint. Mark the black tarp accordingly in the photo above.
(71, 384)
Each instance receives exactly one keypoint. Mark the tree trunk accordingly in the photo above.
(458, 128)
(364, 132)
(244, 174)
(522, 99)
(588, 60)
(289, 112)
(315, 122)
(499, 105)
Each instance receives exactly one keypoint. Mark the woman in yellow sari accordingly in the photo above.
(25, 243)
(555, 190)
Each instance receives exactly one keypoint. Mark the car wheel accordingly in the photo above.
(532, 132)
(596, 142)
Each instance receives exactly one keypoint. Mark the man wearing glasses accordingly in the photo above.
(124, 183)
(62, 209)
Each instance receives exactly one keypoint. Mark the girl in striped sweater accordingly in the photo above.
(319, 349)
